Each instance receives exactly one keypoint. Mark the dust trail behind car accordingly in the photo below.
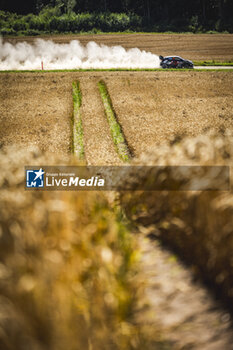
(72, 55)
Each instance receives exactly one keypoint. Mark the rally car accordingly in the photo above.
(175, 62)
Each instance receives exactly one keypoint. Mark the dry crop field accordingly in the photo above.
(71, 240)
(197, 47)
(151, 107)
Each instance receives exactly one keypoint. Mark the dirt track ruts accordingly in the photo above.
(98, 143)
(152, 107)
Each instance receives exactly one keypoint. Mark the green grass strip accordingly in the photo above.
(115, 128)
(78, 144)
(213, 63)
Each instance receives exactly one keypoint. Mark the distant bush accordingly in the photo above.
(194, 24)
(20, 24)
(32, 32)
(51, 20)
(48, 12)
(7, 31)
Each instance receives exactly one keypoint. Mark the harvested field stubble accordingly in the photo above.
(36, 111)
(198, 224)
(69, 276)
(163, 106)
(151, 107)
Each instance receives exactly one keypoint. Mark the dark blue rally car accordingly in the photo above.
(175, 62)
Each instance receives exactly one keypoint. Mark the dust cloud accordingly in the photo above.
(73, 55)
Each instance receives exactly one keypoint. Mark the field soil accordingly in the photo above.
(36, 110)
(191, 46)
(152, 107)
(158, 107)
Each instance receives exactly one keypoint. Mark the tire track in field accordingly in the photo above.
(115, 128)
(98, 144)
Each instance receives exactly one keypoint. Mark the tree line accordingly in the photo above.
(156, 15)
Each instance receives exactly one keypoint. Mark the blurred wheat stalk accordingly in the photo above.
(198, 224)
(69, 275)
(69, 268)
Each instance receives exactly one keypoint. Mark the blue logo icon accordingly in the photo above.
(35, 178)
